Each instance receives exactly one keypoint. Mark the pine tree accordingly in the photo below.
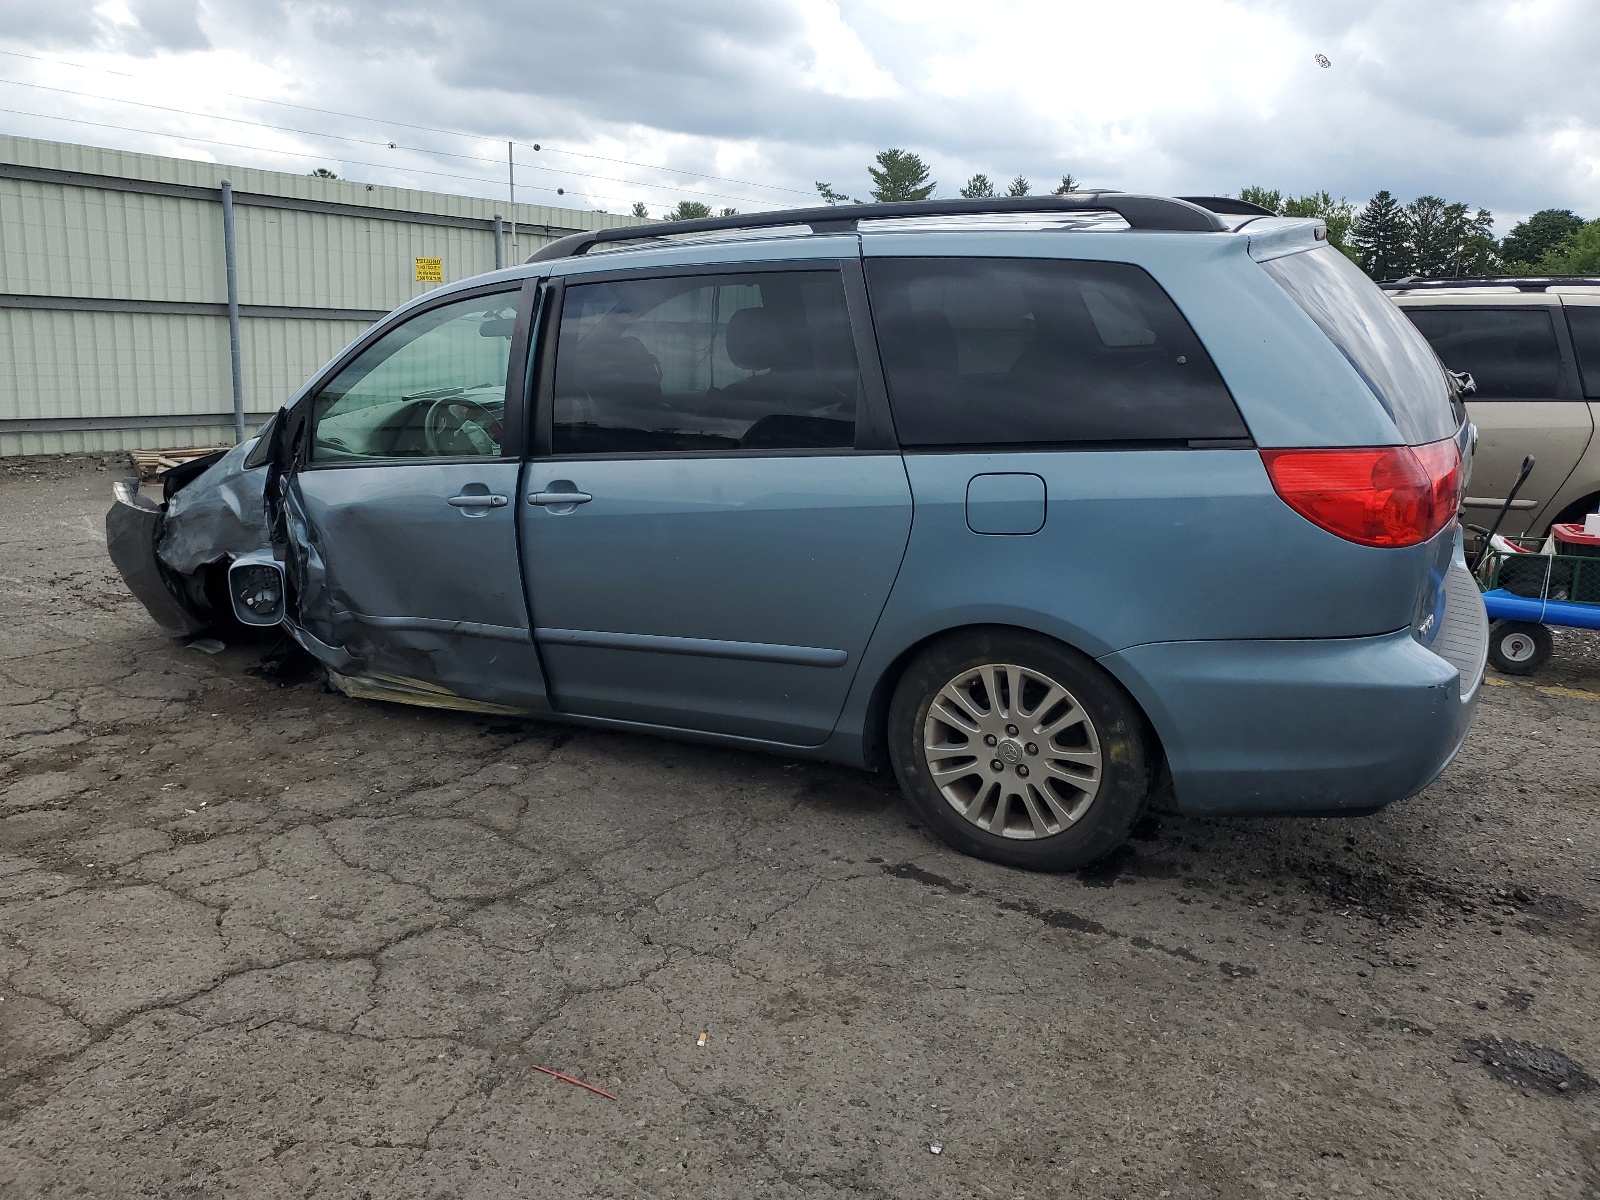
(827, 192)
(1068, 186)
(978, 188)
(689, 210)
(900, 175)
(1433, 231)
(639, 210)
(1380, 237)
(1019, 187)
(728, 212)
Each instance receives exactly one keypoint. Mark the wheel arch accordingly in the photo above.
(874, 738)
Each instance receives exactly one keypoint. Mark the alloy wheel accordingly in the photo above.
(1012, 751)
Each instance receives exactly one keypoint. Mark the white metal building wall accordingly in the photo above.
(113, 292)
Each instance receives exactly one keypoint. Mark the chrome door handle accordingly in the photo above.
(547, 498)
(469, 501)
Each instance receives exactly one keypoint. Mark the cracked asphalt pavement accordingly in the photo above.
(267, 941)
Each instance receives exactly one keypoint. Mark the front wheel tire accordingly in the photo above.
(1018, 749)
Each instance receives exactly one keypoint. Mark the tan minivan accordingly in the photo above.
(1532, 346)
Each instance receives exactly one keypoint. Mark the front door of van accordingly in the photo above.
(401, 518)
(1528, 401)
(715, 522)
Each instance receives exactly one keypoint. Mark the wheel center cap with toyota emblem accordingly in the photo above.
(1010, 752)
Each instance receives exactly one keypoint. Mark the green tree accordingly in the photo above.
(639, 210)
(1271, 200)
(900, 175)
(1449, 239)
(1019, 187)
(1338, 215)
(689, 210)
(978, 188)
(323, 173)
(727, 212)
(832, 197)
(1068, 185)
(1578, 255)
(1541, 234)
(1380, 238)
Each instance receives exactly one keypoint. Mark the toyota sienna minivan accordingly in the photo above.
(1059, 507)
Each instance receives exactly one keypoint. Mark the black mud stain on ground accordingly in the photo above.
(1524, 1065)
(927, 878)
(1055, 918)
(1517, 998)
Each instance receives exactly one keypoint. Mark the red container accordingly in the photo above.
(1571, 539)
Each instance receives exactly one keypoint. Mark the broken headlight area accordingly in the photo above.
(256, 588)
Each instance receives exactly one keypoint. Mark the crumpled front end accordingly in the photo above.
(218, 515)
(133, 526)
(173, 555)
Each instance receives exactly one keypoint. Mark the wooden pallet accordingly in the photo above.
(151, 463)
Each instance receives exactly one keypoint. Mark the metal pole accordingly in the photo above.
(231, 256)
(499, 243)
(511, 178)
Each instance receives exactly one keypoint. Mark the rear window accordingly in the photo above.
(1511, 353)
(1385, 349)
(1041, 352)
(1585, 324)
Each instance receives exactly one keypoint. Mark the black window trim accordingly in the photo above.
(1247, 441)
(874, 426)
(1586, 390)
(526, 293)
(1568, 386)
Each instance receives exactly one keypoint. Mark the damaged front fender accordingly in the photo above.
(133, 525)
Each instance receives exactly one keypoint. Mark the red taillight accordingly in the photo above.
(1377, 496)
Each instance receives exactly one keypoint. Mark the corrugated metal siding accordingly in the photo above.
(64, 239)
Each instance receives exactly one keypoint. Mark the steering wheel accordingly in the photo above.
(441, 425)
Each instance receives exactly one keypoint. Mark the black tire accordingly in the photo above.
(1116, 728)
(1519, 647)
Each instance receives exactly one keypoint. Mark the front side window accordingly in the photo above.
(1041, 351)
(758, 361)
(1584, 321)
(1511, 352)
(435, 387)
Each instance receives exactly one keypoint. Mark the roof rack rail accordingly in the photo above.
(1523, 283)
(1229, 206)
(1140, 212)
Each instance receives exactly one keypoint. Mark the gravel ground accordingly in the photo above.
(264, 940)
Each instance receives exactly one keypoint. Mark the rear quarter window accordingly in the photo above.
(1374, 336)
(1041, 352)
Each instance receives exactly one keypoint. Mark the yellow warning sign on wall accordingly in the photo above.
(430, 270)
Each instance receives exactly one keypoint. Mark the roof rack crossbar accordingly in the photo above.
(1140, 212)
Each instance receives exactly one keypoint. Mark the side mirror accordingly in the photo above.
(256, 588)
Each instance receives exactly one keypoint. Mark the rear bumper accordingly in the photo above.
(132, 526)
(1325, 726)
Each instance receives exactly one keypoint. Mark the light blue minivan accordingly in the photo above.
(1059, 506)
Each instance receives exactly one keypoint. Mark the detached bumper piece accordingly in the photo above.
(132, 527)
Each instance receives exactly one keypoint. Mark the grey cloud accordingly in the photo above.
(51, 23)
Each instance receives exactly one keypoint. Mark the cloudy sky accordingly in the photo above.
(748, 102)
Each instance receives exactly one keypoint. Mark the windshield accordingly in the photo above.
(1384, 347)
